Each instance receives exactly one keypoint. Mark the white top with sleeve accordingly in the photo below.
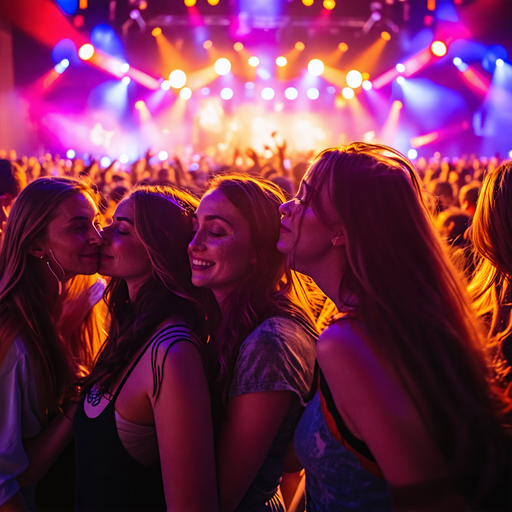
(20, 415)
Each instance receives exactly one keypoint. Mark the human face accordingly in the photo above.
(123, 255)
(221, 252)
(73, 238)
(302, 234)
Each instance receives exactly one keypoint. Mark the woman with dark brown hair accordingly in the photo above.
(405, 396)
(52, 236)
(143, 430)
(263, 338)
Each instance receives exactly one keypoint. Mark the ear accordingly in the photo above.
(338, 239)
(37, 250)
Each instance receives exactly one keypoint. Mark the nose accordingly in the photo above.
(197, 243)
(285, 208)
(105, 235)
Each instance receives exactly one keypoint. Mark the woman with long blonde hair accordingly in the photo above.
(406, 410)
(52, 236)
(490, 287)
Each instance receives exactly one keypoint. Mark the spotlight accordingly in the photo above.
(222, 66)
(249, 85)
(190, 3)
(499, 63)
(291, 93)
(177, 79)
(331, 89)
(123, 158)
(86, 51)
(267, 93)
(400, 67)
(65, 63)
(139, 105)
(347, 93)
(186, 93)
(105, 161)
(213, 2)
(385, 35)
(400, 80)
(59, 68)
(238, 47)
(263, 73)
(254, 61)
(70, 153)
(299, 45)
(457, 61)
(165, 85)
(281, 61)
(163, 155)
(156, 31)
(412, 154)
(207, 44)
(510, 154)
(329, 4)
(316, 67)
(354, 79)
(125, 67)
(205, 91)
(134, 14)
(397, 104)
(367, 85)
(313, 93)
(438, 48)
(126, 80)
(226, 93)
(343, 47)
(308, 3)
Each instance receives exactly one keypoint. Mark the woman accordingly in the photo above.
(143, 431)
(263, 340)
(405, 397)
(51, 237)
(490, 286)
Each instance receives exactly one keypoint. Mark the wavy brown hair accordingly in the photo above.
(269, 288)
(415, 310)
(24, 307)
(163, 223)
(490, 287)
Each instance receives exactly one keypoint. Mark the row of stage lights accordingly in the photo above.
(328, 4)
(177, 79)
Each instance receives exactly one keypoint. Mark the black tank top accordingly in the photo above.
(107, 477)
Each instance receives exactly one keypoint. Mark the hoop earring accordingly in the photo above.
(51, 270)
(55, 275)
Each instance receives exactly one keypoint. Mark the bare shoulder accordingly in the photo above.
(345, 343)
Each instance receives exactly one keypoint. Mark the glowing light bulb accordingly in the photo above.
(438, 48)
(291, 93)
(347, 93)
(222, 66)
(316, 67)
(313, 93)
(177, 79)
(86, 51)
(299, 45)
(400, 67)
(156, 31)
(254, 61)
(281, 61)
(226, 93)
(354, 79)
(267, 93)
(186, 93)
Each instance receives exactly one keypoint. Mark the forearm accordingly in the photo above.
(43, 449)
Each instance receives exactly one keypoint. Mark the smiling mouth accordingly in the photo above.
(201, 264)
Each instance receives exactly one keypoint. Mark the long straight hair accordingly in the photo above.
(414, 308)
(490, 287)
(24, 307)
(268, 289)
(163, 224)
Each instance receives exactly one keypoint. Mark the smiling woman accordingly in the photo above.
(263, 344)
(51, 237)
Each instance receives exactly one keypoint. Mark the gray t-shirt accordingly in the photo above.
(279, 355)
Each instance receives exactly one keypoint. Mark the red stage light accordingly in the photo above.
(438, 48)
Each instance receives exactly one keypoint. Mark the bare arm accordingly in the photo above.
(185, 433)
(379, 411)
(251, 423)
(42, 450)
